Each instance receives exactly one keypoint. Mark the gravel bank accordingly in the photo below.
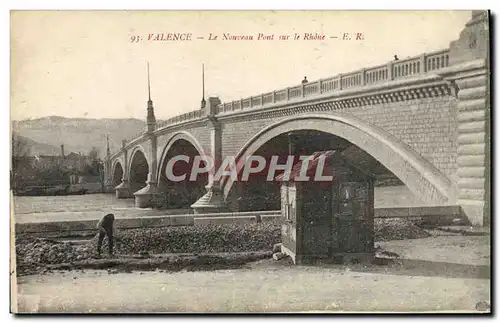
(35, 255)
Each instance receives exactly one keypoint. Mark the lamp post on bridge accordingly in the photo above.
(144, 196)
(102, 174)
(108, 177)
(213, 200)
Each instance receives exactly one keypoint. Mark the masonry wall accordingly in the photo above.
(202, 134)
(428, 125)
(200, 131)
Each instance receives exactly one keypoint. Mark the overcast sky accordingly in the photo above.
(83, 64)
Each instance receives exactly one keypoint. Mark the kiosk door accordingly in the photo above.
(316, 220)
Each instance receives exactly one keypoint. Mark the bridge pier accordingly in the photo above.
(473, 158)
(144, 196)
(469, 75)
(212, 201)
(108, 187)
(123, 190)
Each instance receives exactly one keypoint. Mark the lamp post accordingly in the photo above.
(101, 175)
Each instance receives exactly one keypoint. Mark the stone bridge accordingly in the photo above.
(422, 121)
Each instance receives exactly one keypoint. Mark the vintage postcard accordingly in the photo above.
(250, 161)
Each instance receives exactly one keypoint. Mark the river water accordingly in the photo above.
(70, 203)
(78, 207)
(94, 206)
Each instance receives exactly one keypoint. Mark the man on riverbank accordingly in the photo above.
(105, 227)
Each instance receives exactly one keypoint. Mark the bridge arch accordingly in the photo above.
(117, 172)
(133, 153)
(138, 168)
(418, 174)
(181, 135)
(184, 193)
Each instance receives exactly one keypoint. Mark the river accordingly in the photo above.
(70, 203)
(94, 206)
(78, 207)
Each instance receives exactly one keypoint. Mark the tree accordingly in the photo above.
(20, 146)
(94, 154)
(21, 165)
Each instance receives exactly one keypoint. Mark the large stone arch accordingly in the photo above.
(132, 155)
(170, 142)
(419, 175)
(130, 160)
(117, 162)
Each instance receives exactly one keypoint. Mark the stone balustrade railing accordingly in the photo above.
(193, 115)
(393, 70)
(137, 135)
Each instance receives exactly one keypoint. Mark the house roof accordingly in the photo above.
(73, 155)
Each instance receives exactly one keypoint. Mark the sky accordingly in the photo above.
(84, 63)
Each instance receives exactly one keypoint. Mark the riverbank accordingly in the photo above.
(35, 254)
(452, 278)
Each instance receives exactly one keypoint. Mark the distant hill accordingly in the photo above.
(77, 134)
